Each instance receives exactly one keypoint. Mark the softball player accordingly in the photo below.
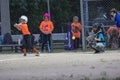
(23, 27)
(76, 28)
(46, 27)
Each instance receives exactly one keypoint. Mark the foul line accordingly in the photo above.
(15, 59)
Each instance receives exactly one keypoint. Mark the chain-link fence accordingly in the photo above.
(94, 11)
(62, 12)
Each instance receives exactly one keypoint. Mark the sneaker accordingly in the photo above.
(37, 54)
(97, 52)
(24, 54)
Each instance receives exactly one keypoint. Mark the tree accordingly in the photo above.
(62, 11)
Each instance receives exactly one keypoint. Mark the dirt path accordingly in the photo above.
(61, 66)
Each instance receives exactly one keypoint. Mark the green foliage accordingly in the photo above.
(33, 9)
(62, 11)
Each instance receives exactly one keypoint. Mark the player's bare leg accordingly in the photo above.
(24, 51)
(36, 51)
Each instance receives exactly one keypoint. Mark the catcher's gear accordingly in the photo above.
(95, 25)
(91, 39)
(97, 46)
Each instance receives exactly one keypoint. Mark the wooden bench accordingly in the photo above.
(13, 47)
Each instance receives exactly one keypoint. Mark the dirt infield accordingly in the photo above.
(61, 66)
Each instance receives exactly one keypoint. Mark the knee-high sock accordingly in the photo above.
(35, 50)
(24, 51)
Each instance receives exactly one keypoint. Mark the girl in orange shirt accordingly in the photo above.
(46, 27)
(23, 27)
(76, 28)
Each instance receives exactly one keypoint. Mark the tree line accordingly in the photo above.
(62, 11)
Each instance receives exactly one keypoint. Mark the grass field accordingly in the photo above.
(64, 65)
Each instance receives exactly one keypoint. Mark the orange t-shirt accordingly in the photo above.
(24, 29)
(46, 26)
(76, 33)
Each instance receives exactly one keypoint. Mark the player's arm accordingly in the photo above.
(100, 37)
(72, 27)
(41, 28)
(80, 27)
(17, 26)
(97, 39)
(52, 27)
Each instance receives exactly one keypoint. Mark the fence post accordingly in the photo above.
(82, 21)
(5, 17)
(48, 5)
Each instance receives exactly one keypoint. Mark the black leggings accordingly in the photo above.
(27, 42)
(76, 43)
(46, 39)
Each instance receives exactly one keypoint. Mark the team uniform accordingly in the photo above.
(76, 28)
(26, 38)
(98, 46)
(100, 43)
(46, 28)
(96, 39)
(23, 27)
